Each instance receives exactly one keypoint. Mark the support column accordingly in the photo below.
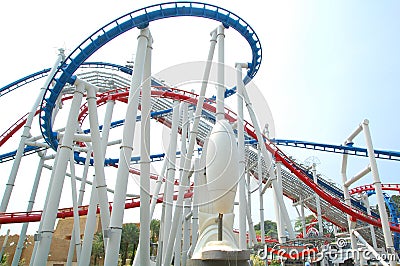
(220, 112)
(22, 235)
(318, 202)
(188, 158)
(241, 152)
(66, 147)
(117, 214)
(25, 135)
(379, 194)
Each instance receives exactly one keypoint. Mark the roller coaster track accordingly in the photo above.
(297, 182)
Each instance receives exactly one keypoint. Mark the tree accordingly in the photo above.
(154, 234)
(97, 248)
(270, 228)
(129, 241)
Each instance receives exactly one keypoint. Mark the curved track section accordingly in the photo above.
(141, 19)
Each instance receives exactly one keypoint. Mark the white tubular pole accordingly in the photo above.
(379, 194)
(89, 228)
(220, 112)
(169, 184)
(371, 249)
(188, 158)
(177, 245)
(365, 199)
(117, 214)
(318, 202)
(195, 202)
(66, 147)
(107, 125)
(280, 224)
(282, 207)
(303, 219)
(358, 176)
(76, 233)
(242, 163)
(158, 187)
(35, 247)
(186, 223)
(144, 238)
(26, 133)
(347, 199)
(84, 177)
(248, 207)
(260, 179)
(22, 235)
(98, 156)
(265, 154)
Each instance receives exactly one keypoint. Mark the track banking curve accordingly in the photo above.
(140, 19)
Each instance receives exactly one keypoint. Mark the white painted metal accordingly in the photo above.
(76, 232)
(98, 156)
(144, 237)
(379, 194)
(260, 195)
(267, 158)
(111, 257)
(169, 184)
(317, 202)
(220, 112)
(365, 199)
(192, 140)
(358, 176)
(3, 247)
(370, 248)
(26, 134)
(49, 217)
(241, 155)
(22, 235)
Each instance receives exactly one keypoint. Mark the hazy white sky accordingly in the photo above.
(326, 65)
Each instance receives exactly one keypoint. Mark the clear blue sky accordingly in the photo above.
(326, 65)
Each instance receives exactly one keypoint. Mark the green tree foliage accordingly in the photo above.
(129, 241)
(97, 248)
(269, 228)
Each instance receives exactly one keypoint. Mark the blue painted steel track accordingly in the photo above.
(349, 149)
(141, 19)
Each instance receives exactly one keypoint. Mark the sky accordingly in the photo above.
(327, 65)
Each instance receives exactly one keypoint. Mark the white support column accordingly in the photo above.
(265, 154)
(188, 158)
(98, 156)
(195, 201)
(379, 194)
(25, 135)
(220, 112)
(169, 184)
(248, 207)
(37, 235)
(115, 230)
(260, 180)
(22, 235)
(144, 238)
(347, 201)
(241, 151)
(318, 202)
(66, 147)
(303, 219)
(90, 228)
(278, 215)
(365, 199)
(84, 177)
(75, 241)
